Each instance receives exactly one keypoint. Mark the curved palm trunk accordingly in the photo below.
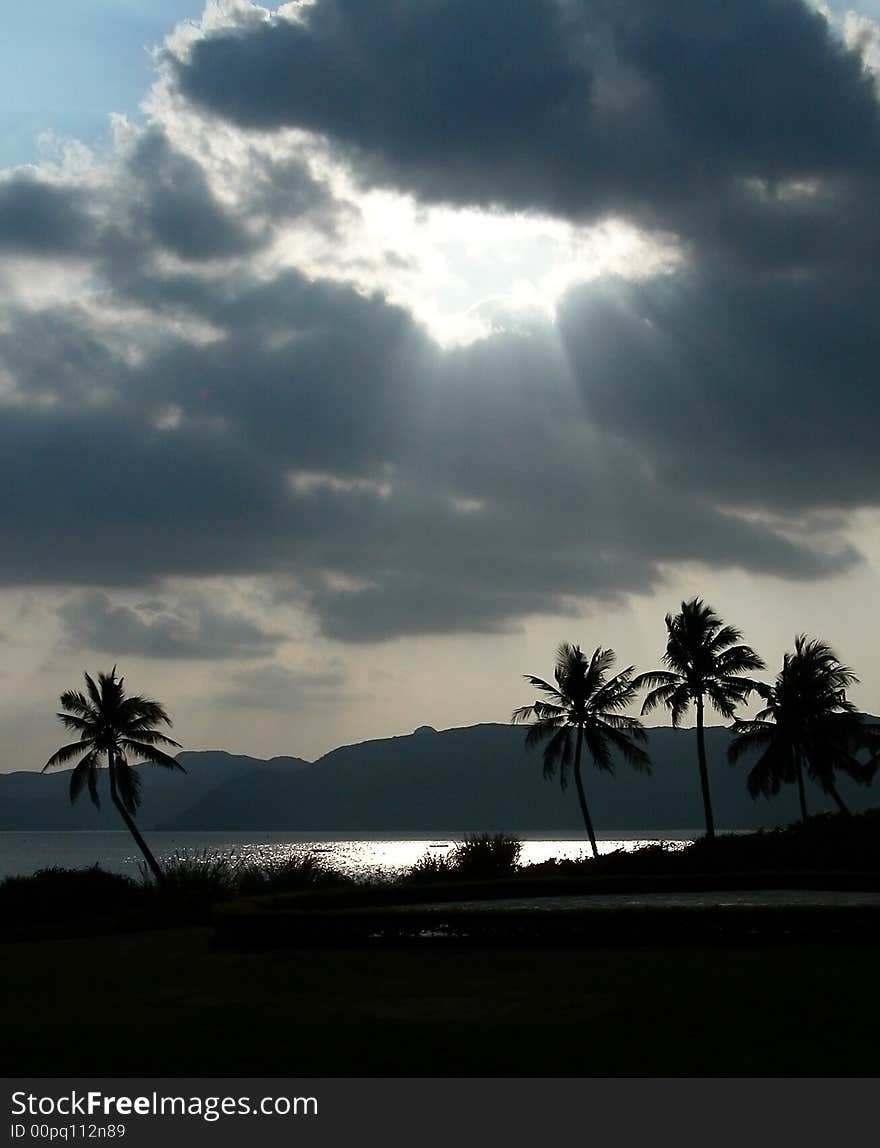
(844, 809)
(580, 789)
(704, 771)
(799, 774)
(132, 828)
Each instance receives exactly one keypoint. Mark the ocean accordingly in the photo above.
(24, 852)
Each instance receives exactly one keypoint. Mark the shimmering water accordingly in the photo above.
(25, 852)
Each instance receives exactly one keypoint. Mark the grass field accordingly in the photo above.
(168, 1003)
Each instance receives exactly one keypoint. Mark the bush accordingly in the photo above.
(290, 874)
(199, 875)
(429, 867)
(65, 895)
(486, 855)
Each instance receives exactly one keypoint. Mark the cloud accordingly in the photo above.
(755, 390)
(193, 628)
(272, 686)
(173, 201)
(448, 487)
(580, 108)
(397, 487)
(38, 218)
(216, 397)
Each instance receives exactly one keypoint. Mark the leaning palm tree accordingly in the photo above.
(705, 661)
(111, 725)
(584, 706)
(808, 726)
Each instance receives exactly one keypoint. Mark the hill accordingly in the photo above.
(31, 800)
(474, 778)
(482, 778)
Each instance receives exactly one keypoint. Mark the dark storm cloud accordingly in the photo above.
(313, 373)
(192, 629)
(300, 429)
(167, 202)
(56, 354)
(583, 108)
(96, 494)
(396, 487)
(161, 201)
(284, 189)
(763, 391)
(173, 201)
(38, 218)
(591, 528)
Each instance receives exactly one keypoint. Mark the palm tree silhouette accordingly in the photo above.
(705, 661)
(584, 702)
(808, 724)
(112, 725)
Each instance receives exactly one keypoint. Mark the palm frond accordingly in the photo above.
(596, 741)
(150, 736)
(662, 695)
(557, 754)
(737, 660)
(724, 701)
(142, 711)
(94, 692)
(82, 724)
(717, 643)
(617, 693)
(544, 687)
(600, 663)
(654, 678)
(128, 786)
(77, 703)
(770, 772)
(540, 731)
(150, 754)
(680, 703)
(67, 753)
(624, 724)
(86, 774)
(621, 740)
(749, 736)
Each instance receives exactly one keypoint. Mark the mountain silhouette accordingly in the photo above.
(475, 778)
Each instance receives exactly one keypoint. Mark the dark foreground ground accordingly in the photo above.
(168, 1003)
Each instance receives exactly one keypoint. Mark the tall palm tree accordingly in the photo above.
(705, 661)
(584, 706)
(808, 725)
(112, 725)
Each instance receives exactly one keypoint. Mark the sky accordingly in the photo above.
(353, 356)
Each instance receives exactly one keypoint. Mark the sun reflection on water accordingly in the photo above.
(383, 858)
(362, 857)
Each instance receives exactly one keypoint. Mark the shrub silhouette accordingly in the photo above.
(289, 875)
(429, 867)
(486, 855)
(66, 894)
(198, 873)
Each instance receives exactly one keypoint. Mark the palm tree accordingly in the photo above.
(808, 725)
(585, 703)
(705, 661)
(112, 725)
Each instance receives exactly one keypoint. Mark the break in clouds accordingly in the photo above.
(206, 370)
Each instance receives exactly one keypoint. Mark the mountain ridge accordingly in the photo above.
(478, 777)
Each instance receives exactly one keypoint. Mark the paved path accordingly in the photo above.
(752, 898)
